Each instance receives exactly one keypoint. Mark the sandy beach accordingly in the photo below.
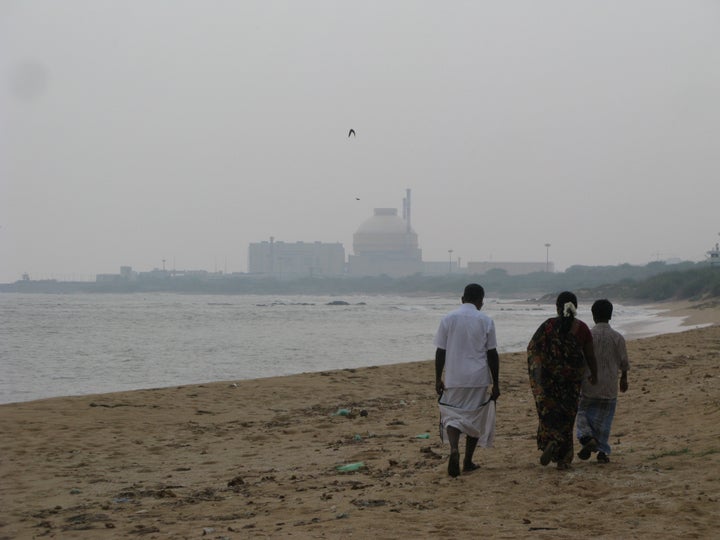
(260, 458)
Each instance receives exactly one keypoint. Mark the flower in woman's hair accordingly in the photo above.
(569, 309)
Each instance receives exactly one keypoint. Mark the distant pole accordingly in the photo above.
(450, 252)
(547, 258)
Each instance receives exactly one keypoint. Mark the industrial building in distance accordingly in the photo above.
(296, 259)
(384, 244)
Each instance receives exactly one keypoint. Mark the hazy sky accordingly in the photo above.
(132, 131)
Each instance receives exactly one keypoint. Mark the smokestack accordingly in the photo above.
(407, 211)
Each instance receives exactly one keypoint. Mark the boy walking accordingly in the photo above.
(597, 402)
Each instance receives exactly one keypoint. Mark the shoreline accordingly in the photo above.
(673, 317)
(703, 312)
(667, 318)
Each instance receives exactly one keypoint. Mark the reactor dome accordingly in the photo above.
(385, 232)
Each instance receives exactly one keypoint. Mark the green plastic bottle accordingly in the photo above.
(351, 467)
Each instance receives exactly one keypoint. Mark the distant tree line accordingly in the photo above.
(654, 281)
(693, 284)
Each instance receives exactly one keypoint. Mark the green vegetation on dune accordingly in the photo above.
(693, 284)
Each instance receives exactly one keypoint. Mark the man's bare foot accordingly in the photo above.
(454, 464)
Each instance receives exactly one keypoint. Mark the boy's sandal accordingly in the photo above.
(587, 449)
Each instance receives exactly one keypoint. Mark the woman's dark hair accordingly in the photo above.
(566, 319)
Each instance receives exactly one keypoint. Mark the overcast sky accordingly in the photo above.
(137, 131)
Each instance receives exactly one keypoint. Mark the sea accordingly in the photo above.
(77, 344)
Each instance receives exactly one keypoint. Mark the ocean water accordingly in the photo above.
(58, 345)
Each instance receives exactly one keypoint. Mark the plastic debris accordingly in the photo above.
(351, 467)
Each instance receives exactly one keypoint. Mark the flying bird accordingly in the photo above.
(351, 132)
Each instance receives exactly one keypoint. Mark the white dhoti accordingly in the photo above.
(469, 410)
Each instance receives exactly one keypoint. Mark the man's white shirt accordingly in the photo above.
(466, 334)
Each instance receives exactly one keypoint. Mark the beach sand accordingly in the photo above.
(257, 459)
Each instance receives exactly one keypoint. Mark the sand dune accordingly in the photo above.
(258, 459)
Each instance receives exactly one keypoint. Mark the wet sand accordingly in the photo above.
(258, 459)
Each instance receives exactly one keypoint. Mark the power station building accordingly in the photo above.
(290, 260)
(386, 244)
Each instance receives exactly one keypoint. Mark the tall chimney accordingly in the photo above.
(407, 211)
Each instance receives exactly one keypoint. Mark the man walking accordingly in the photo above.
(467, 353)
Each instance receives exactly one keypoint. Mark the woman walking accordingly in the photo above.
(559, 354)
